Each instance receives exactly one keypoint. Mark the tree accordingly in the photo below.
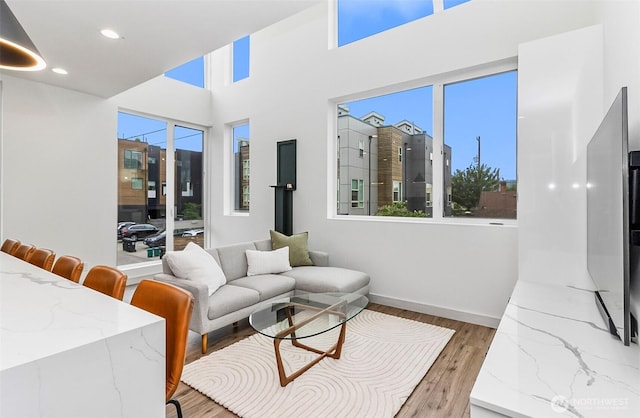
(399, 209)
(467, 185)
(191, 211)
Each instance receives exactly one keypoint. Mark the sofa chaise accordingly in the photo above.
(240, 294)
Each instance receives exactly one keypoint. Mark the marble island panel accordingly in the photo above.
(66, 350)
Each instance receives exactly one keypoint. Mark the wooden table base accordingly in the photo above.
(333, 352)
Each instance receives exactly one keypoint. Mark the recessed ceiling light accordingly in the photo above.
(111, 34)
(59, 70)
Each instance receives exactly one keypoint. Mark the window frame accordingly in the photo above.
(359, 189)
(138, 181)
(169, 183)
(130, 159)
(397, 188)
(438, 192)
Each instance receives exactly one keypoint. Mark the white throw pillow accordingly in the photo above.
(266, 262)
(194, 263)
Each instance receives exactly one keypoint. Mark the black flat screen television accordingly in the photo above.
(610, 192)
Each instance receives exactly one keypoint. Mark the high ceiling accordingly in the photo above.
(158, 35)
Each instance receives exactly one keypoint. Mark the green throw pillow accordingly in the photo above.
(298, 252)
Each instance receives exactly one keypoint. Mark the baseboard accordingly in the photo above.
(464, 316)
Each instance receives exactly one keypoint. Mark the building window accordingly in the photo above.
(359, 19)
(187, 189)
(241, 58)
(384, 163)
(241, 166)
(480, 139)
(361, 148)
(357, 193)
(476, 150)
(245, 196)
(136, 183)
(191, 72)
(397, 191)
(151, 189)
(452, 3)
(133, 159)
(176, 164)
(245, 169)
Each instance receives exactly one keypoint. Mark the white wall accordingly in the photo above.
(59, 170)
(59, 161)
(559, 108)
(467, 271)
(168, 98)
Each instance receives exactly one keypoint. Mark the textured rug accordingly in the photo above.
(383, 358)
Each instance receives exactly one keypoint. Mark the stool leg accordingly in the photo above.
(177, 405)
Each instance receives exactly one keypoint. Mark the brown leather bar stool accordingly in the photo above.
(107, 280)
(69, 267)
(24, 251)
(10, 246)
(42, 258)
(175, 306)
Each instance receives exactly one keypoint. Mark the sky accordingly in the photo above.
(483, 107)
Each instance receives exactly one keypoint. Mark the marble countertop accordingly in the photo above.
(552, 355)
(42, 314)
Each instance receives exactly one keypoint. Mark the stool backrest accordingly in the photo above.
(10, 246)
(42, 258)
(107, 280)
(69, 267)
(24, 251)
(175, 306)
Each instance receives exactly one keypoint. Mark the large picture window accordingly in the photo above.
(392, 163)
(396, 133)
(481, 136)
(158, 152)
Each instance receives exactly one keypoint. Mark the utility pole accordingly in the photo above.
(478, 139)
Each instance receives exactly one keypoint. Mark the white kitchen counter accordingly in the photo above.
(69, 351)
(553, 356)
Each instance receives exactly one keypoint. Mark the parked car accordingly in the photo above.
(156, 240)
(193, 232)
(160, 239)
(123, 225)
(138, 231)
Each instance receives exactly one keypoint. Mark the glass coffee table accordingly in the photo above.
(299, 317)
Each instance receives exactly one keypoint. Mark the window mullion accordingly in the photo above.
(170, 199)
(438, 146)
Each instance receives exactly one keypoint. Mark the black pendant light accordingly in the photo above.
(17, 52)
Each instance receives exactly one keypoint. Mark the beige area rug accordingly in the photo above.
(383, 358)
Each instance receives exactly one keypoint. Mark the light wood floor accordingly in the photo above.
(443, 392)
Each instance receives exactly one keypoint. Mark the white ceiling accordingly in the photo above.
(158, 35)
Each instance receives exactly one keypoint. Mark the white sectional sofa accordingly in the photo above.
(241, 294)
